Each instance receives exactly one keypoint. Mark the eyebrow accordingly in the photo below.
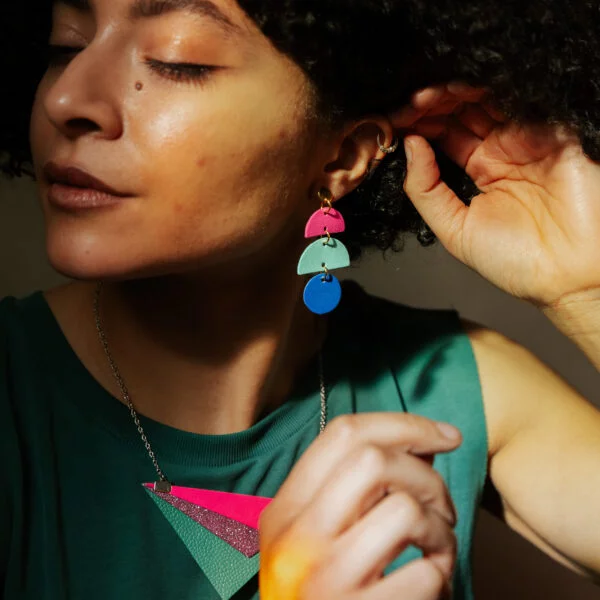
(143, 9)
(153, 8)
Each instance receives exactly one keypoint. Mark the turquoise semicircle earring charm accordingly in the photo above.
(322, 294)
(332, 254)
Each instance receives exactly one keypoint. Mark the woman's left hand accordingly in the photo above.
(534, 231)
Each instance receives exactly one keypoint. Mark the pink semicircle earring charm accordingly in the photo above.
(325, 220)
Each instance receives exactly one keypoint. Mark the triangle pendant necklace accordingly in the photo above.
(219, 529)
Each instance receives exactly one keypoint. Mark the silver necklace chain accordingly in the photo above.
(163, 483)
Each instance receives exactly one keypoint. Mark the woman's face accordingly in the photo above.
(184, 108)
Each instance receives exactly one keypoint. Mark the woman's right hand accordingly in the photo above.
(360, 495)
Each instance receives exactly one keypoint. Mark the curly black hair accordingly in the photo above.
(539, 58)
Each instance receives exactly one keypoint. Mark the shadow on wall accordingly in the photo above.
(506, 566)
(23, 264)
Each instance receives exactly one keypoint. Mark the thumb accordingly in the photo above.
(439, 206)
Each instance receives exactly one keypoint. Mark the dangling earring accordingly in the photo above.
(324, 292)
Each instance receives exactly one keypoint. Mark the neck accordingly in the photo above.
(206, 356)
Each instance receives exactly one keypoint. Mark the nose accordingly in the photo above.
(84, 98)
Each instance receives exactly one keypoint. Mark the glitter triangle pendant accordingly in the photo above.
(238, 535)
(227, 568)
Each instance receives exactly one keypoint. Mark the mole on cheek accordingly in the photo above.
(139, 86)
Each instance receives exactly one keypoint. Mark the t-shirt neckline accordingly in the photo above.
(174, 446)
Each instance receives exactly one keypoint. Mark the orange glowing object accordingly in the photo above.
(284, 571)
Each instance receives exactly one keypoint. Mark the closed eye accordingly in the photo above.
(184, 72)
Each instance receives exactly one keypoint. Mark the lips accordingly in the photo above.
(75, 177)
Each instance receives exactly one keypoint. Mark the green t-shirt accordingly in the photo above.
(75, 521)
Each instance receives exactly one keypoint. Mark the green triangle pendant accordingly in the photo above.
(227, 569)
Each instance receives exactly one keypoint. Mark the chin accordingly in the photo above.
(91, 267)
(89, 257)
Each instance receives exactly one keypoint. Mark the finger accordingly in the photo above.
(362, 553)
(465, 92)
(459, 143)
(363, 479)
(476, 120)
(408, 433)
(405, 117)
(444, 108)
(494, 112)
(430, 127)
(418, 580)
(434, 101)
(421, 102)
(429, 97)
(439, 206)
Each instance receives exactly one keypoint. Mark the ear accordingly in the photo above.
(355, 153)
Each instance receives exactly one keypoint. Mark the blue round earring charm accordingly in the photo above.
(323, 292)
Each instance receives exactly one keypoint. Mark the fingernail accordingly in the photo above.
(449, 431)
(408, 150)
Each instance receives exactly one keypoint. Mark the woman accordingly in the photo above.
(180, 147)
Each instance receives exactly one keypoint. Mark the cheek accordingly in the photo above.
(222, 177)
(225, 209)
(209, 159)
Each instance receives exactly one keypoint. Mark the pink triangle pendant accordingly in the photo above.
(238, 507)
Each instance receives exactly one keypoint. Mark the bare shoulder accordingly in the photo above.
(544, 451)
(518, 388)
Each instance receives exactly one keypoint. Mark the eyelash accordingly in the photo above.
(181, 72)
